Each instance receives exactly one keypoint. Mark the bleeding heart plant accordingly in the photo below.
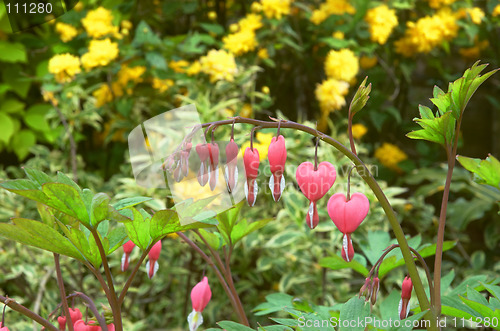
(200, 296)
(277, 157)
(154, 254)
(404, 303)
(127, 250)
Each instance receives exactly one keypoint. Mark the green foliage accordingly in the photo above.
(488, 170)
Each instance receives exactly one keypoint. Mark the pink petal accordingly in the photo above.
(348, 215)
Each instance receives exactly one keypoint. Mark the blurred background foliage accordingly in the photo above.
(72, 89)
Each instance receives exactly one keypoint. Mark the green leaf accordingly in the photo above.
(354, 310)
(144, 35)
(336, 262)
(233, 326)
(167, 221)
(243, 229)
(116, 238)
(35, 117)
(138, 229)
(85, 243)
(99, 209)
(40, 235)
(488, 169)
(156, 60)
(130, 202)
(483, 310)
(214, 28)
(67, 199)
(37, 176)
(12, 52)
(493, 289)
(11, 105)
(440, 129)
(6, 128)
(21, 143)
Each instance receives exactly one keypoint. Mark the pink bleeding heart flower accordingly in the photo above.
(91, 326)
(251, 162)
(213, 166)
(276, 155)
(347, 216)
(203, 153)
(127, 250)
(404, 303)
(200, 296)
(154, 254)
(75, 314)
(314, 184)
(61, 320)
(232, 151)
(185, 159)
(3, 328)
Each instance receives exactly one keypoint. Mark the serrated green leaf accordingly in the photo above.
(144, 35)
(37, 176)
(488, 169)
(99, 209)
(233, 326)
(354, 310)
(130, 202)
(138, 229)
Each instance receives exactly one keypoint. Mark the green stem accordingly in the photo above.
(12, 304)
(62, 291)
(372, 183)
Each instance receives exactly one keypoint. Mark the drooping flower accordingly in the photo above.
(404, 303)
(213, 166)
(277, 157)
(200, 296)
(91, 326)
(203, 154)
(3, 328)
(185, 158)
(231, 165)
(154, 254)
(127, 250)
(375, 289)
(75, 314)
(251, 163)
(347, 215)
(314, 184)
(61, 320)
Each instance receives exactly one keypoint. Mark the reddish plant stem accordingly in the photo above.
(90, 303)
(132, 275)
(28, 313)
(62, 291)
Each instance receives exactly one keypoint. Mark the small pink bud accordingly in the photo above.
(213, 167)
(404, 303)
(251, 162)
(203, 154)
(277, 157)
(200, 296)
(366, 289)
(185, 159)
(127, 250)
(154, 254)
(75, 314)
(375, 289)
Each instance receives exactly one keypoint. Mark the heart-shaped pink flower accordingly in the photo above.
(213, 166)
(127, 250)
(251, 162)
(347, 216)
(314, 184)
(154, 254)
(232, 151)
(277, 158)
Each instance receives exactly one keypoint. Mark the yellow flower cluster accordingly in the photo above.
(496, 11)
(66, 31)
(126, 74)
(98, 23)
(244, 40)
(341, 65)
(382, 21)
(390, 155)
(476, 14)
(162, 84)
(331, 95)
(331, 7)
(275, 8)
(179, 66)
(261, 143)
(194, 68)
(101, 53)
(219, 65)
(428, 32)
(64, 67)
(440, 3)
(358, 131)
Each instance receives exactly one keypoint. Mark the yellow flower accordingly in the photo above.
(64, 67)
(358, 131)
(194, 68)
(331, 7)
(49, 96)
(219, 65)
(496, 11)
(440, 3)
(179, 66)
(476, 14)
(266, 90)
(428, 32)
(246, 110)
(250, 22)
(256, 7)
(330, 95)
(162, 84)
(212, 15)
(382, 21)
(367, 62)
(390, 155)
(66, 31)
(126, 24)
(341, 65)
(275, 8)
(338, 35)
(104, 94)
(473, 53)
(263, 54)
(233, 27)
(101, 53)
(240, 42)
(261, 143)
(78, 7)
(127, 74)
(98, 23)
